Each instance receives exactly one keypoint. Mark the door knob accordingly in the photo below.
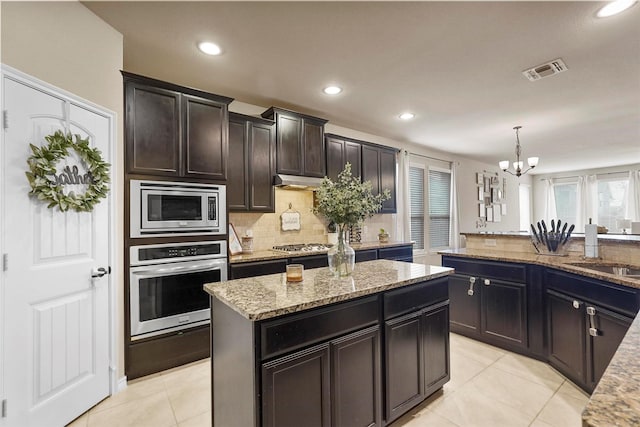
(98, 272)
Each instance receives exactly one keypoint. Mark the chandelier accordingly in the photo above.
(518, 165)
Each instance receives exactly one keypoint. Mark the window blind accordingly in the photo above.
(439, 208)
(416, 193)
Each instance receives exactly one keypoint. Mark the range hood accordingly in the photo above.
(294, 182)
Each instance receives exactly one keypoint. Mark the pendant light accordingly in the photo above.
(518, 165)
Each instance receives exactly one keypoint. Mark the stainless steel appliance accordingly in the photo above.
(302, 248)
(165, 286)
(164, 208)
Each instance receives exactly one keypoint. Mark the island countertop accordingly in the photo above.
(264, 297)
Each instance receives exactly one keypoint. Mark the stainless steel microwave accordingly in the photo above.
(164, 208)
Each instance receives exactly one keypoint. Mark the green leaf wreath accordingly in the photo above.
(42, 173)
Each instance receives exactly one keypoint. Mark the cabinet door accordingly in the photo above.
(388, 179)
(335, 157)
(295, 389)
(436, 348)
(355, 380)
(152, 130)
(237, 196)
(353, 155)
(464, 304)
(405, 368)
(370, 167)
(566, 331)
(311, 261)
(258, 268)
(261, 167)
(288, 145)
(366, 255)
(313, 148)
(603, 340)
(504, 311)
(205, 137)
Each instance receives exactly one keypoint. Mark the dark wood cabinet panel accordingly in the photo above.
(296, 388)
(152, 128)
(176, 131)
(609, 329)
(464, 304)
(257, 268)
(355, 380)
(397, 253)
(299, 143)
(237, 195)
(436, 348)
(366, 255)
(205, 138)
(504, 311)
(404, 368)
(388, 179)
(311, 261)
(370, 167)
(341, 151)
(252, 160)
(566, 332)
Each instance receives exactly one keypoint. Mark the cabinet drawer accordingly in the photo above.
(366, 255)
(258, 268)
(300, 330)
(618, 298)
(412, 298)
(397, 253)
(487, 269)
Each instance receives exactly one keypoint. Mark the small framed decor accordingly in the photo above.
(235, 247)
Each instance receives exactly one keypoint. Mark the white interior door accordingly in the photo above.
(56, 317)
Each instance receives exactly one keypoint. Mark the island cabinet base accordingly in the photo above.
(349, 364)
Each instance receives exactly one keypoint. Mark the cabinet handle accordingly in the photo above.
(576, 304)
(487, 282)
(472, 280)
(593, 331)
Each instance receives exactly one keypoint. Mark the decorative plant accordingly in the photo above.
(347, 201)
(382, 231)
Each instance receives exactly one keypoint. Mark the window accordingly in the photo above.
(612, 201)
(524, 191)
(439, 208)
(416, 192)
(566, 196)
(429, 193)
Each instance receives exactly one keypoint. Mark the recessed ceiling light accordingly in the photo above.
(209, 48)
(614, 8)
(332, 90)
(407, 116)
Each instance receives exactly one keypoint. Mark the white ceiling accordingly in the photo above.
(456, 65)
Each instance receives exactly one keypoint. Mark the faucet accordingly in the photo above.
(591, 240)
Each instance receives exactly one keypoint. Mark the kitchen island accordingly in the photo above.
(360, 350)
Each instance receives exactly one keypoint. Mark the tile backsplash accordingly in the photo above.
(267, 231)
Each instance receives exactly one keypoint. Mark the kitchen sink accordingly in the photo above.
(610, 268)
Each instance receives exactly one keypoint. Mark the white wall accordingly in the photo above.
(66, 45)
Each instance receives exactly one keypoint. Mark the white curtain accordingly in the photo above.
(550, 201)
(403, 225)
(587, 201)
(633, 202)
(454, 223)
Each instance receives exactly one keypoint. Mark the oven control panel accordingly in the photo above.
(151, 254)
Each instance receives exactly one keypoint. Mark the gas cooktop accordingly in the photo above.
(302, 247)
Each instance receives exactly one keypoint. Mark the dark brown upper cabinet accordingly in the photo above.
(299, 143)
(340, 151)
(252, 156)
(174, 131)
(379, 167)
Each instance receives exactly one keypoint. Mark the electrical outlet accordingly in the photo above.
(490, 242)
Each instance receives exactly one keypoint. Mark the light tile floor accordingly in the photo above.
(489, 387)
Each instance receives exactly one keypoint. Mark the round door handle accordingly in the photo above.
(487, 282)
(98, 272)
(576, 304)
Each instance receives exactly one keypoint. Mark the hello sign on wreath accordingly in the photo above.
(68, 174)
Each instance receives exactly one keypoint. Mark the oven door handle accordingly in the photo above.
(217, 265)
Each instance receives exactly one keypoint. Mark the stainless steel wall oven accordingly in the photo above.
(165, 285)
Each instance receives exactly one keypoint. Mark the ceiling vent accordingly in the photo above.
(545, 70)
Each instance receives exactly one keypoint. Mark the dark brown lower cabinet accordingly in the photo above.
(583, 337)
(504, 311)
(257, 268)
(417, 354)
(336, 383)
(295, 389)
(464, 304)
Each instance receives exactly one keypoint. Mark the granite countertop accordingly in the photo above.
(616, 399)
(618, 238)
(264, 297)
(269, 254)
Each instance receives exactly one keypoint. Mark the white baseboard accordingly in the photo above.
(122, 384)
